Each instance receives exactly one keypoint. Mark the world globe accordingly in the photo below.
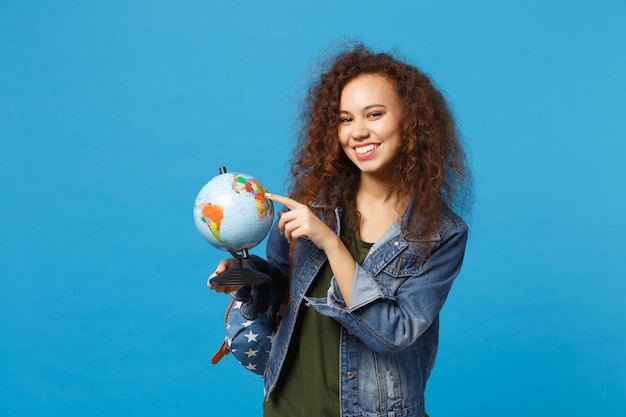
(232, 213)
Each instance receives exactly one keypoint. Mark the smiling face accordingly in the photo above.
(370, 127)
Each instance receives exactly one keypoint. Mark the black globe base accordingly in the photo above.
(240, 275)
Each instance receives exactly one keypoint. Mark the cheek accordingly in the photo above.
(392, 134)
(343, 136)
(390, 129)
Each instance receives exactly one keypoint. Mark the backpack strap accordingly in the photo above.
(223, 349)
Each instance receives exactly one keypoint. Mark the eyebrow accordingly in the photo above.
(368, 107)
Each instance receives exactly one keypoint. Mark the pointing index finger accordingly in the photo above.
(285, 201)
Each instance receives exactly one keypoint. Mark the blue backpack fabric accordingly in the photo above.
(250, 341)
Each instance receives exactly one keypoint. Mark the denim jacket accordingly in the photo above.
(389, 335)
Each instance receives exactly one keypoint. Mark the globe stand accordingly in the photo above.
(240, 275)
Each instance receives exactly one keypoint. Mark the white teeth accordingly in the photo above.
(365, 149)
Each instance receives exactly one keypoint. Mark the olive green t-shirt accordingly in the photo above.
(309, 382)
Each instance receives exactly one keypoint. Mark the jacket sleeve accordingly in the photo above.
(389, 321)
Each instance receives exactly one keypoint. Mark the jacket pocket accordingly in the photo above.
(404, 265)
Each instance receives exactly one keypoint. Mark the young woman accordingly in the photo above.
(375, 244)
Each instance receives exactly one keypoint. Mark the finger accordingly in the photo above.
(284, 217)
(210, 284)
(214, 287)
(287, 223)
(222, 267)
(285, 201)
(293, 230)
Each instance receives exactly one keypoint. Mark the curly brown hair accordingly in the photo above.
(431, 164)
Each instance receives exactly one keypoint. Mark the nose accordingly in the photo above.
(359, 129)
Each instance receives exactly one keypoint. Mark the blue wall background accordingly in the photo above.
(113, 114)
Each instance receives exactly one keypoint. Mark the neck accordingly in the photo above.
(379, 191)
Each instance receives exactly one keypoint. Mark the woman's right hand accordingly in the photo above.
(222, 267)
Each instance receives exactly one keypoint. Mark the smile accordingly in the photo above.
(361, 150)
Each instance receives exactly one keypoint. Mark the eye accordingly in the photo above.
(345, 119)
(375, 115)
